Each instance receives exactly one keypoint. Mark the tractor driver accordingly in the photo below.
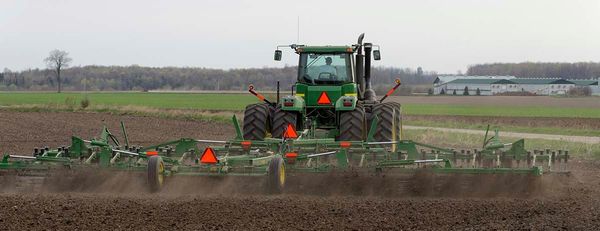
(327, 70)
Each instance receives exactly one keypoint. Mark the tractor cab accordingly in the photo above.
(325, 74)
(325, 65)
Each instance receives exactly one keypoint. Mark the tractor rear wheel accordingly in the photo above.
(276, 175)
(156, 169)
(281, 119)
(389, 123)
(256, 121)
(352, 125)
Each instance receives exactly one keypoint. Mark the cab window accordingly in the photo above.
(325, 68)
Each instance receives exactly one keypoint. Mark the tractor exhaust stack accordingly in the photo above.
(369, 93)
(359, 66)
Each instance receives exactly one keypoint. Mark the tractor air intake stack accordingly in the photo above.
(369, 93)
(360, 67)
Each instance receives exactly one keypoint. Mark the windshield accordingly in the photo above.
(325, 68)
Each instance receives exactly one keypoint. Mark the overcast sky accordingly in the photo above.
(444, 36)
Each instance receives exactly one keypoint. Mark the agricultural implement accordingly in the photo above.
(297, 154)
(333, 124)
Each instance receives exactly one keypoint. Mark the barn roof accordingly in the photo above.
(450, 78)
(511, 80)
(585, 82)
(479, 81)
(541, 81)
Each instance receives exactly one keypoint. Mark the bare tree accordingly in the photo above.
(56, 61)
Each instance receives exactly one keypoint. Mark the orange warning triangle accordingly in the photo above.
(290, 132)
(208, 157)
(324, 99)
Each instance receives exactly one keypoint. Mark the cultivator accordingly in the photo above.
(297, 154)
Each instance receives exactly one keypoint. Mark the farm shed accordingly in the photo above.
(440, 83)
(492, 85)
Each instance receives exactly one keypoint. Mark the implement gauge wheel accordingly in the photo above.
(156, 169)
(276, 175)
(256, 121)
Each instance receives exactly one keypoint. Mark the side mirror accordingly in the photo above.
(376, 55)
(277, 55)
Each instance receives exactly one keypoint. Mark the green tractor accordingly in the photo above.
(333, 98)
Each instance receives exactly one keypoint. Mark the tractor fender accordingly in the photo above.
(339, 104)
(298, 103)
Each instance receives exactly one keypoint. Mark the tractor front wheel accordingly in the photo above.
(352, 125)
(256, 121)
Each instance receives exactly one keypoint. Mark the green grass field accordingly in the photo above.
(237, 102)
(506, 127)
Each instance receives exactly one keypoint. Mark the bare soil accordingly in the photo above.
(20, 132)
(118, 205)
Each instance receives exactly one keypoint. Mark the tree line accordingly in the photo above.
(139, 78)
(581, 70)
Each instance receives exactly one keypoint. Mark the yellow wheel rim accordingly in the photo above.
(161, 170)
(394, 130)
(282, 175)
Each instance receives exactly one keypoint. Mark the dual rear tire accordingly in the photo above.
(281, 120)
(256, 121)
(353, 125)
(389, 125)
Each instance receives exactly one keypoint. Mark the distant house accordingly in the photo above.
(492, 85)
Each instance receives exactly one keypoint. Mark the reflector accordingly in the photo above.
(345, 144)
(290, 132)
(246, 144)
(324, 99)
(209, 157)
(291, 155)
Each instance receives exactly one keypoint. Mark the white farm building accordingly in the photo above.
(492, 85)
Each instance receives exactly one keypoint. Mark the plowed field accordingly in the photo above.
(573, 205)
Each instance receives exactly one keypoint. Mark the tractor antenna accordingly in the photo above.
(298, 30)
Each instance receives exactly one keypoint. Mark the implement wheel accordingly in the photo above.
(256, 121)
(276, 175)
(352, 125)
(156, 170)
(389, 125)
(281, 119)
